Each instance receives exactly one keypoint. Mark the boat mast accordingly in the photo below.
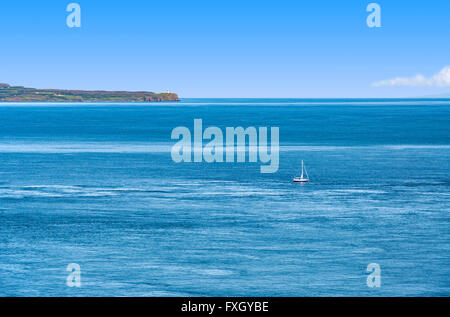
(302, 170)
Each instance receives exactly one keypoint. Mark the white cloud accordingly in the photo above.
(440, 79)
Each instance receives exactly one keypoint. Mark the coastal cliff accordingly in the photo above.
(23, 94)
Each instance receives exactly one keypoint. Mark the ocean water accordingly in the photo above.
(94, 184)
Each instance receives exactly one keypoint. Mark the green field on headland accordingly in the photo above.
(22, 94)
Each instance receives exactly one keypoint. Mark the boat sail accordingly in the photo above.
(302, 178)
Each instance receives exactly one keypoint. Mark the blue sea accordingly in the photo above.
(95, 184)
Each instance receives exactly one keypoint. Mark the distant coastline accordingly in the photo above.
(23, 94)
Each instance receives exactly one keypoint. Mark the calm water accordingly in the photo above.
(96, 185)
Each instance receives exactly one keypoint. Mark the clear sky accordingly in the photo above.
(229, 48)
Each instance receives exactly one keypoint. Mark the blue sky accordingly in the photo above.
(228, 48)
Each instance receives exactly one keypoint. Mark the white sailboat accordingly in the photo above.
(302, 179)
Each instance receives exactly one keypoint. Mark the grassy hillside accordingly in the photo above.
(19, 93)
